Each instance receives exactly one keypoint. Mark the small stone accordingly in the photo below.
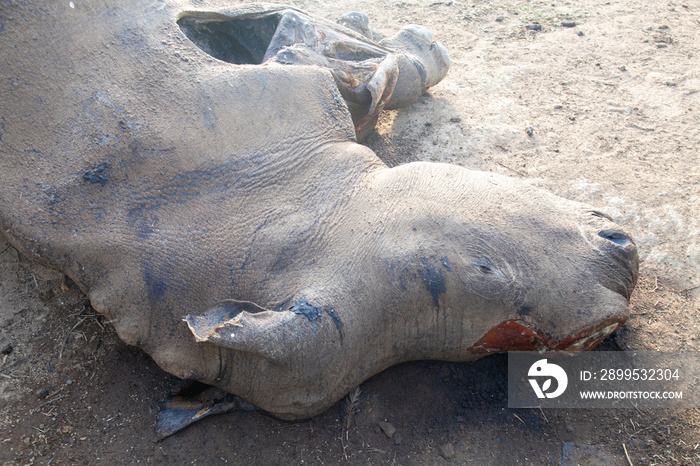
(398, 439)
(7, 349)
(638, 443)
(500, 19)
(534, 27)
(43, 392)
(447, 451)
(455, 119)
(388, 429)
(623, 68)
(69, 382)
(65, 429)
(580, 34)
(569, 24)
(569, 427)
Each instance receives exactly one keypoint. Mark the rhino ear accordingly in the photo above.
(247, 327)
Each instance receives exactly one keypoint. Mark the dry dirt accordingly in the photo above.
(613, 103)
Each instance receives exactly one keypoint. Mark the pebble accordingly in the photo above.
(569, 427)
(580, 34)
(569, 24)
(7, 349)
(69, 382)
(447, 451)
(43, 392)
(638, 443)
(388, 429)
(398, 439)
(534, 27)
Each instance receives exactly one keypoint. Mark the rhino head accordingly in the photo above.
(224, 219)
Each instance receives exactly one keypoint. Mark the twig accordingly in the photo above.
(518, 418)
(627, 454)
(65, 340)
(686, 289)
(545, 417)
(635, 407)
(286, 426)
(511, 169)
(632, 125)
(11, 375)
(45, 403)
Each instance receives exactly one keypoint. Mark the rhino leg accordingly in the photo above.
(359, 22)
(370, 75)
(422, 63)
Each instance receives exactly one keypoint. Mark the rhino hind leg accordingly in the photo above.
(367, 73)
(359, 22)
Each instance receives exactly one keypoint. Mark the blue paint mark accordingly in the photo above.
(434, 281)
(446, 263)
(303, 307)
(98, 174)
(336, 320)
(155, 286)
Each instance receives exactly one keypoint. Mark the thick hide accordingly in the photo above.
(224, 219)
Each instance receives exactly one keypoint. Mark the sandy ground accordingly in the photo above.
(613, 102)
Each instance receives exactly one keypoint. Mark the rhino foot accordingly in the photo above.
(191, 405)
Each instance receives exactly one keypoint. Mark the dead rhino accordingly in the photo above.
(224, 219)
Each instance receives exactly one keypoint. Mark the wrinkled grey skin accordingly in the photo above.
(224, 219)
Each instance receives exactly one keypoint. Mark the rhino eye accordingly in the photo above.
(484, 266)
(615, 236)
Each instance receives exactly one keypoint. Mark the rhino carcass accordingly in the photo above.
(223, 217)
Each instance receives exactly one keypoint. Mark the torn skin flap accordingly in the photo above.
(224, 314)
(247, 327)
